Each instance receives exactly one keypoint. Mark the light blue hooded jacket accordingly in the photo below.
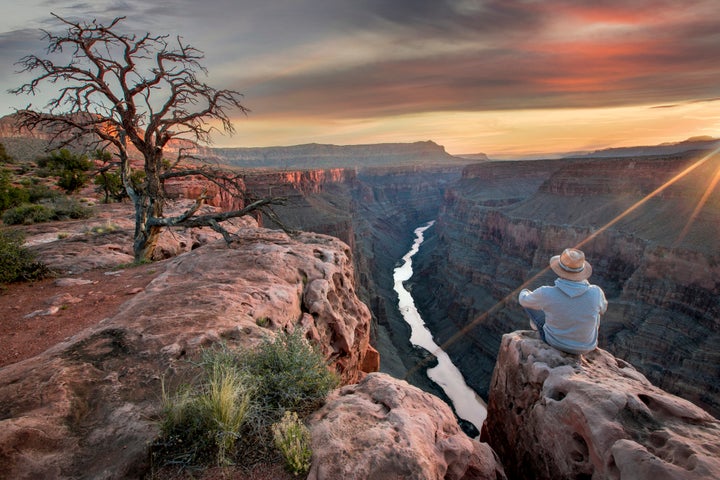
(572, 313)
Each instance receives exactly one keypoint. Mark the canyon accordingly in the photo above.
(496, 226)
(655, 250)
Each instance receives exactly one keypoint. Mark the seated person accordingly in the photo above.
(567, 315)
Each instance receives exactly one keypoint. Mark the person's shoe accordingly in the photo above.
(533, 326)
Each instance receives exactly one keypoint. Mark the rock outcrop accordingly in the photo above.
(386, 429)
(556, 416)
(101, 387)
(653, 244)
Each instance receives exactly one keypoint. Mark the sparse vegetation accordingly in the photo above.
(231, 412)
(4, 157)
(10, 195)
(203, 422)
(69, 167)
(102, 229)
(60, 208)
(17, 263)
(292, 438)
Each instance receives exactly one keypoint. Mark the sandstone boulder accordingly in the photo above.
(557, 416)
(88, 407)
(386, 429)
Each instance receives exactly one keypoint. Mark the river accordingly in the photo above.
(467, 404)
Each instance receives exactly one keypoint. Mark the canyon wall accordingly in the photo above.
(374, 210)
(655, 250)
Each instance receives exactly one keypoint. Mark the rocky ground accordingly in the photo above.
(37, 315)
(87, 287)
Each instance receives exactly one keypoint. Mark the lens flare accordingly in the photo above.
(701, 203)
(512, 296)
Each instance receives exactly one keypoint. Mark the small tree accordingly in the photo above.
(119, 90)
(71, 168)
(108, 181)
(4, 157)
(10, 195)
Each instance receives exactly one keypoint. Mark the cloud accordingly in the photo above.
(359, 59)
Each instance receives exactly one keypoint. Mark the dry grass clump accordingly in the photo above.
(245, 407)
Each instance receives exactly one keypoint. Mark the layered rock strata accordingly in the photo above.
(374, 210)
(102, 386)
(557, 416)
(649, 226)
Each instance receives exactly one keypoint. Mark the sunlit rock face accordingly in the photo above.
(385, 429)
(660, 270)
(102, 387)
(556, 416)
(374, 209)
(315, 156)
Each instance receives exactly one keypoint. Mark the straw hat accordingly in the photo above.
(571, 264)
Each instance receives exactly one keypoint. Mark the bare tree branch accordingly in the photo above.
(121, 91)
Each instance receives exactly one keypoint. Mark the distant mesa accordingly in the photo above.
(703, 142)
(315, 155)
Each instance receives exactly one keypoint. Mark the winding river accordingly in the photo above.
(467, 404)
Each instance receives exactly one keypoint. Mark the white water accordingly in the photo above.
(467, 404)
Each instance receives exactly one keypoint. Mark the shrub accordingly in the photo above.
(110, 184)
(202, 424)
(68, 166)
(64, 159)
(4, 157)
(10, 195)
(237, 404)
(68, 207)
(292, 438)
(27, 214)
(72, 180)
(16, 262)
(292, 375)
(38, 192)
(60, 208)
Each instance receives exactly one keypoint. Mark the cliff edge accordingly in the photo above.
(102, 387)
(557, 416)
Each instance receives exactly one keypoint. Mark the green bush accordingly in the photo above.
(72, 180)
(292, 374)
(17, 263)
(69, 208)
(69, 167)
(38, 192)
(64, 159)
(60, 208)
(10, 195)
(110, 184)
(292, 438)
(4, 157)
(280, 375)
(27, 214)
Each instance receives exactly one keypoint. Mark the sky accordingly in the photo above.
(509, 78)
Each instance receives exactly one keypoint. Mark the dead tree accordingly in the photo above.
(118, 90)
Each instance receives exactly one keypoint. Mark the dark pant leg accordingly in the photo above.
(538, 318)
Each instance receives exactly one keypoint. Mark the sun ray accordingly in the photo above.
(513, 295)
(701, 203)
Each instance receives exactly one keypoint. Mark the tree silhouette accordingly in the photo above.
(118, 90)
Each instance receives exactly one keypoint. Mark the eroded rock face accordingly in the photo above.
(503, 221)
(101, 388)
(386, 429)
(557, 416)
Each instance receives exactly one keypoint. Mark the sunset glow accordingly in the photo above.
(509, 79)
